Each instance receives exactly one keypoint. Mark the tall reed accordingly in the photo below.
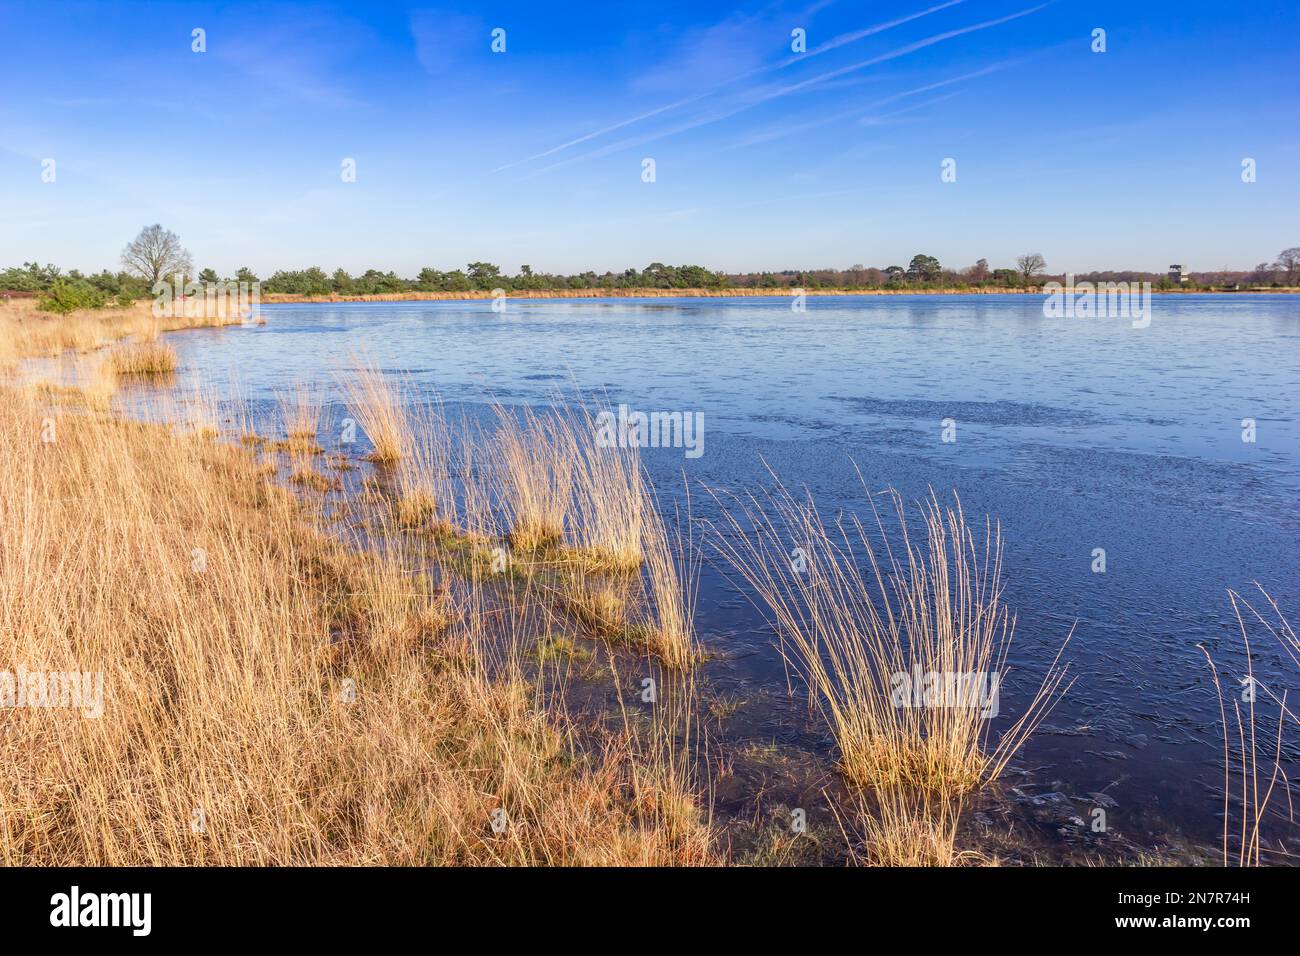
(611, 503)
(426, 485)
(862, 622)
(379, 407)
(536, 458)
(301, 408)
(1261, 776)
(671, 576)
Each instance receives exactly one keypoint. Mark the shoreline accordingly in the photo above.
(15, 297)
(729, 293)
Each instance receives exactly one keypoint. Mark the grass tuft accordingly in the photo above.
(379, 407)
(144, 360)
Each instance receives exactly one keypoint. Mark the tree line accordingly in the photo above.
(157, 254)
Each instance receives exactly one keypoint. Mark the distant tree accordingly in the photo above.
(209, 275)
(526, 271)
(1288, 260)
(895, 273)
(311, 281)
(341, 281)
(32, 277)
(1262, 274)
(155, 254)
(658, 275)
(107, 282)
(457, 280)
(372, 281)
(1030, 265)
(1005, 277)
(245, 274)
(923, 267)
(979, 271)
(484, 275)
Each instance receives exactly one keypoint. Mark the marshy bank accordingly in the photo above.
(436, 651)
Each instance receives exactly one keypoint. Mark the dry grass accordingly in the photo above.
(378, 406)
(610, 501)
(29, 333)
(307, 477)
(908, 827)
(1259, 768)
(426, 493)
(274, 695)
(301, 408)
(144, 360)
(269, 694)
(97, 380)
(537, 457)
(9, 355)
(671, 582)
(590, 510)
(602, 604)
(857, 619)
(874, 628)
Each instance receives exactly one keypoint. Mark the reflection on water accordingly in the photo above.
(1077, 434)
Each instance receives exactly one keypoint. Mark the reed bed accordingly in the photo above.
(29, 333)
(898, 644)
(589, 509)
(268, 695)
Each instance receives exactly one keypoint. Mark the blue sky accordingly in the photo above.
(764, 158)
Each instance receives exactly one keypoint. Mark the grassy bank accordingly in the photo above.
(273, 695)
(26, 332)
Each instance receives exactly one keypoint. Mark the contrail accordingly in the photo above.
(901, 51)
(846, 38)
(796, 87)
(789, 130)
(832, 44)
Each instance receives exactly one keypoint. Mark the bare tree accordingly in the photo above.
(1289, 259)
(1031, 264)
(155, 254)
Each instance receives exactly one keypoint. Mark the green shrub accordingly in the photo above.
(64, 297)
